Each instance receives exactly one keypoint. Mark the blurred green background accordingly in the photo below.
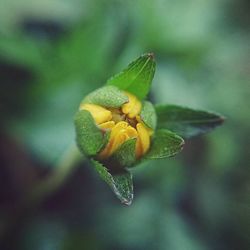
(54, 52)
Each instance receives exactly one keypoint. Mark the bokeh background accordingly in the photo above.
(52, 53)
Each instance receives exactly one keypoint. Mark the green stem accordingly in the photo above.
(61, 172)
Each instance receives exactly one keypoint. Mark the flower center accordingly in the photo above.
(118, 116)
(124, 123)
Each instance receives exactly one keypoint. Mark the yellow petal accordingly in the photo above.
(118, 126)
(107, 125)
(139, 120)
(120, 138)
(99, 113)
(131, 132)
(138, 148)
(133, 107)
(143, 141)
(113, 144)
(117, 137)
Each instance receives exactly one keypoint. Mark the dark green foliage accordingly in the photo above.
(197, 201)
(185, 121)
(125, 155)
(148, 115)
(137, 77)
(165, 144)
(89, 137)
(120, 182)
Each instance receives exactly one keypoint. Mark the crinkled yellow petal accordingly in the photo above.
(99, 113)
(114, 144)
(120, 138)
(133, 107)
(120, 133)
(122, 123)
(131, 132)
(143, 141)
(114, 139)
(118, 126)
(107, 125)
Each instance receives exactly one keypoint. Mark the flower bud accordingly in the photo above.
(116, 127)
(116, 130)
(120, 117)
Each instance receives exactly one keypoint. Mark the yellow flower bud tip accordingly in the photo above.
(133, 107)
(125, 123)
(107, 125)
(99, 113)
(119, 134)
(118, 140)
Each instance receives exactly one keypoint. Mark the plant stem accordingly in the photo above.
(62, 170)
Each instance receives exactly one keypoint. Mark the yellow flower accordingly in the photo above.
(125, 123)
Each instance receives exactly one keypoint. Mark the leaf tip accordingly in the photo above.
(151, 55)
(127, 202)
(222, 119)
(182, 144)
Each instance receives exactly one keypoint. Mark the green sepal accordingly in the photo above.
(185, 121)
(120, 182)
(148, 115)
(90, 139)
(108, 96)
(125, 156)
(165, 144)
(137, 77)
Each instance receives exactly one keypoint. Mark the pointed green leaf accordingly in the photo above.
(148, 115)
(165, 144)
(185, 121)
(108, 96)
(137, 77)
(90, 138)
(121, 182)
(125, 154)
